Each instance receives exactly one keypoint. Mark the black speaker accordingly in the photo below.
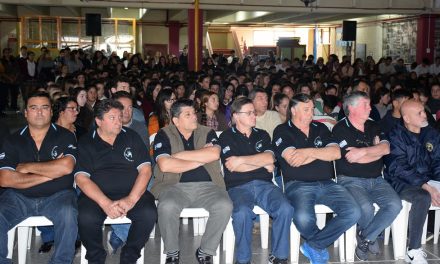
(349, 30)
(93, 24)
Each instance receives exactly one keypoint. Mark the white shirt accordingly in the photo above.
(434, 69)
(31, 68)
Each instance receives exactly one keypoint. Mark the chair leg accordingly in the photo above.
(162, 255)
(23, 236)
(229, 243)
(264, 230)
(83, 255)
(341, 242)
(399, 229)
(217, 255)
(294, 244)
(196, 223)
(387, 236)
(141, 258)
(425, 229)
(37, 232)
(29, 241)
(11, 238)
(350, 242)
(320, 220)
(185, 221)
(436, 226)
(153, 232)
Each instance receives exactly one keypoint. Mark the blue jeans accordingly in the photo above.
(60, 208)
(366, 192)
(271, 199)
(304, 196)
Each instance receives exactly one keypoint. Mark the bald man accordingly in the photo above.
(414, 160)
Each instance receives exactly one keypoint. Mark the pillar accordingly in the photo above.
(425, 37)
(195, 37)
(174, 37)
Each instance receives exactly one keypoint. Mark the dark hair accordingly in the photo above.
(161, 112)
(238, 104)
(299, 98)
(104, 106)
(177, 106)
(204, 98)
(331, 101)
(241, 90)
(37, 94)
(399, 94)
(121, 94)
(277, 98)
(382, 91)
(60, 106)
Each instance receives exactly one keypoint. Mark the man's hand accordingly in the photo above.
(113, 210)
(232, 163)
(435, 194)
(270, 168)
(354, 154)
(22, 168)
(127, 203)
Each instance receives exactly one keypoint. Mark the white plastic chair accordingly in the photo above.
(199, 213)
(25, 230)
(321, 213)
(229, 236)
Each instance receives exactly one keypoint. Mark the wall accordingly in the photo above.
(8, 28)
(372, 36)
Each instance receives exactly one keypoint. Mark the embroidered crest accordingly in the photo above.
(429, 146)
(128, 154)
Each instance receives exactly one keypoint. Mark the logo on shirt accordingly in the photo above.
(342, 144)
(71, 146)
(54, 152)
(259, 146)
(226, 149)
(278, 142)
(128, 154)
(318, 142)
(429, 147)
(158, 146)
(2, 155)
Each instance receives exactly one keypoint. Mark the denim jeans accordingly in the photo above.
(60, 208)
(305, 195)
(366, 192)
(272, 200)
(420, 202)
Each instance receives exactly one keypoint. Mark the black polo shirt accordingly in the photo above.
(234, 143)
(114, 168)
(348, 136)
(287, 136)
(20, 148)
(162, 147)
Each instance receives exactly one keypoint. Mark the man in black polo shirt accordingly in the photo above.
(305, 150)
(113, 172)
(188, 174)
(36, 165)
(359, 170)
(248, 163)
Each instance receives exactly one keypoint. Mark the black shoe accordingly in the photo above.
(203, 258)
(45, 247)
(172, 260)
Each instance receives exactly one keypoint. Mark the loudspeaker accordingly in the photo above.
(349, 30)
(93, 24)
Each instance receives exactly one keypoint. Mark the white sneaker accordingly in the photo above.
(416, 256)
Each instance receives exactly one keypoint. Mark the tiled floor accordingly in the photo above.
(189, 244)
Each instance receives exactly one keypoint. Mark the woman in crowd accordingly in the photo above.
(381, 101)
(161, 117)
(280, 104)
(85, 116)
(209, 115)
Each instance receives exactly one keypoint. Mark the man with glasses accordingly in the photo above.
(36, 165)
(359, 170)
(305, 150)
(248, 164)
(188, 174)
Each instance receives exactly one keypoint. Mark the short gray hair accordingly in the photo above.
(352, 100)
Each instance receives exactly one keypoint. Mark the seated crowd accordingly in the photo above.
(351, 137)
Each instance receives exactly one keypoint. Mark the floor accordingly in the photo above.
(189, 244)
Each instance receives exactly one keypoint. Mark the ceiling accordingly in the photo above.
(232, 12)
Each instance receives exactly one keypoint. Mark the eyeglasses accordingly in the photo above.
(248, 113)
(171, 100)
(73, 108)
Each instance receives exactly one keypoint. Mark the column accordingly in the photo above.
(195, 37)
(173, 37)
(425, 37)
